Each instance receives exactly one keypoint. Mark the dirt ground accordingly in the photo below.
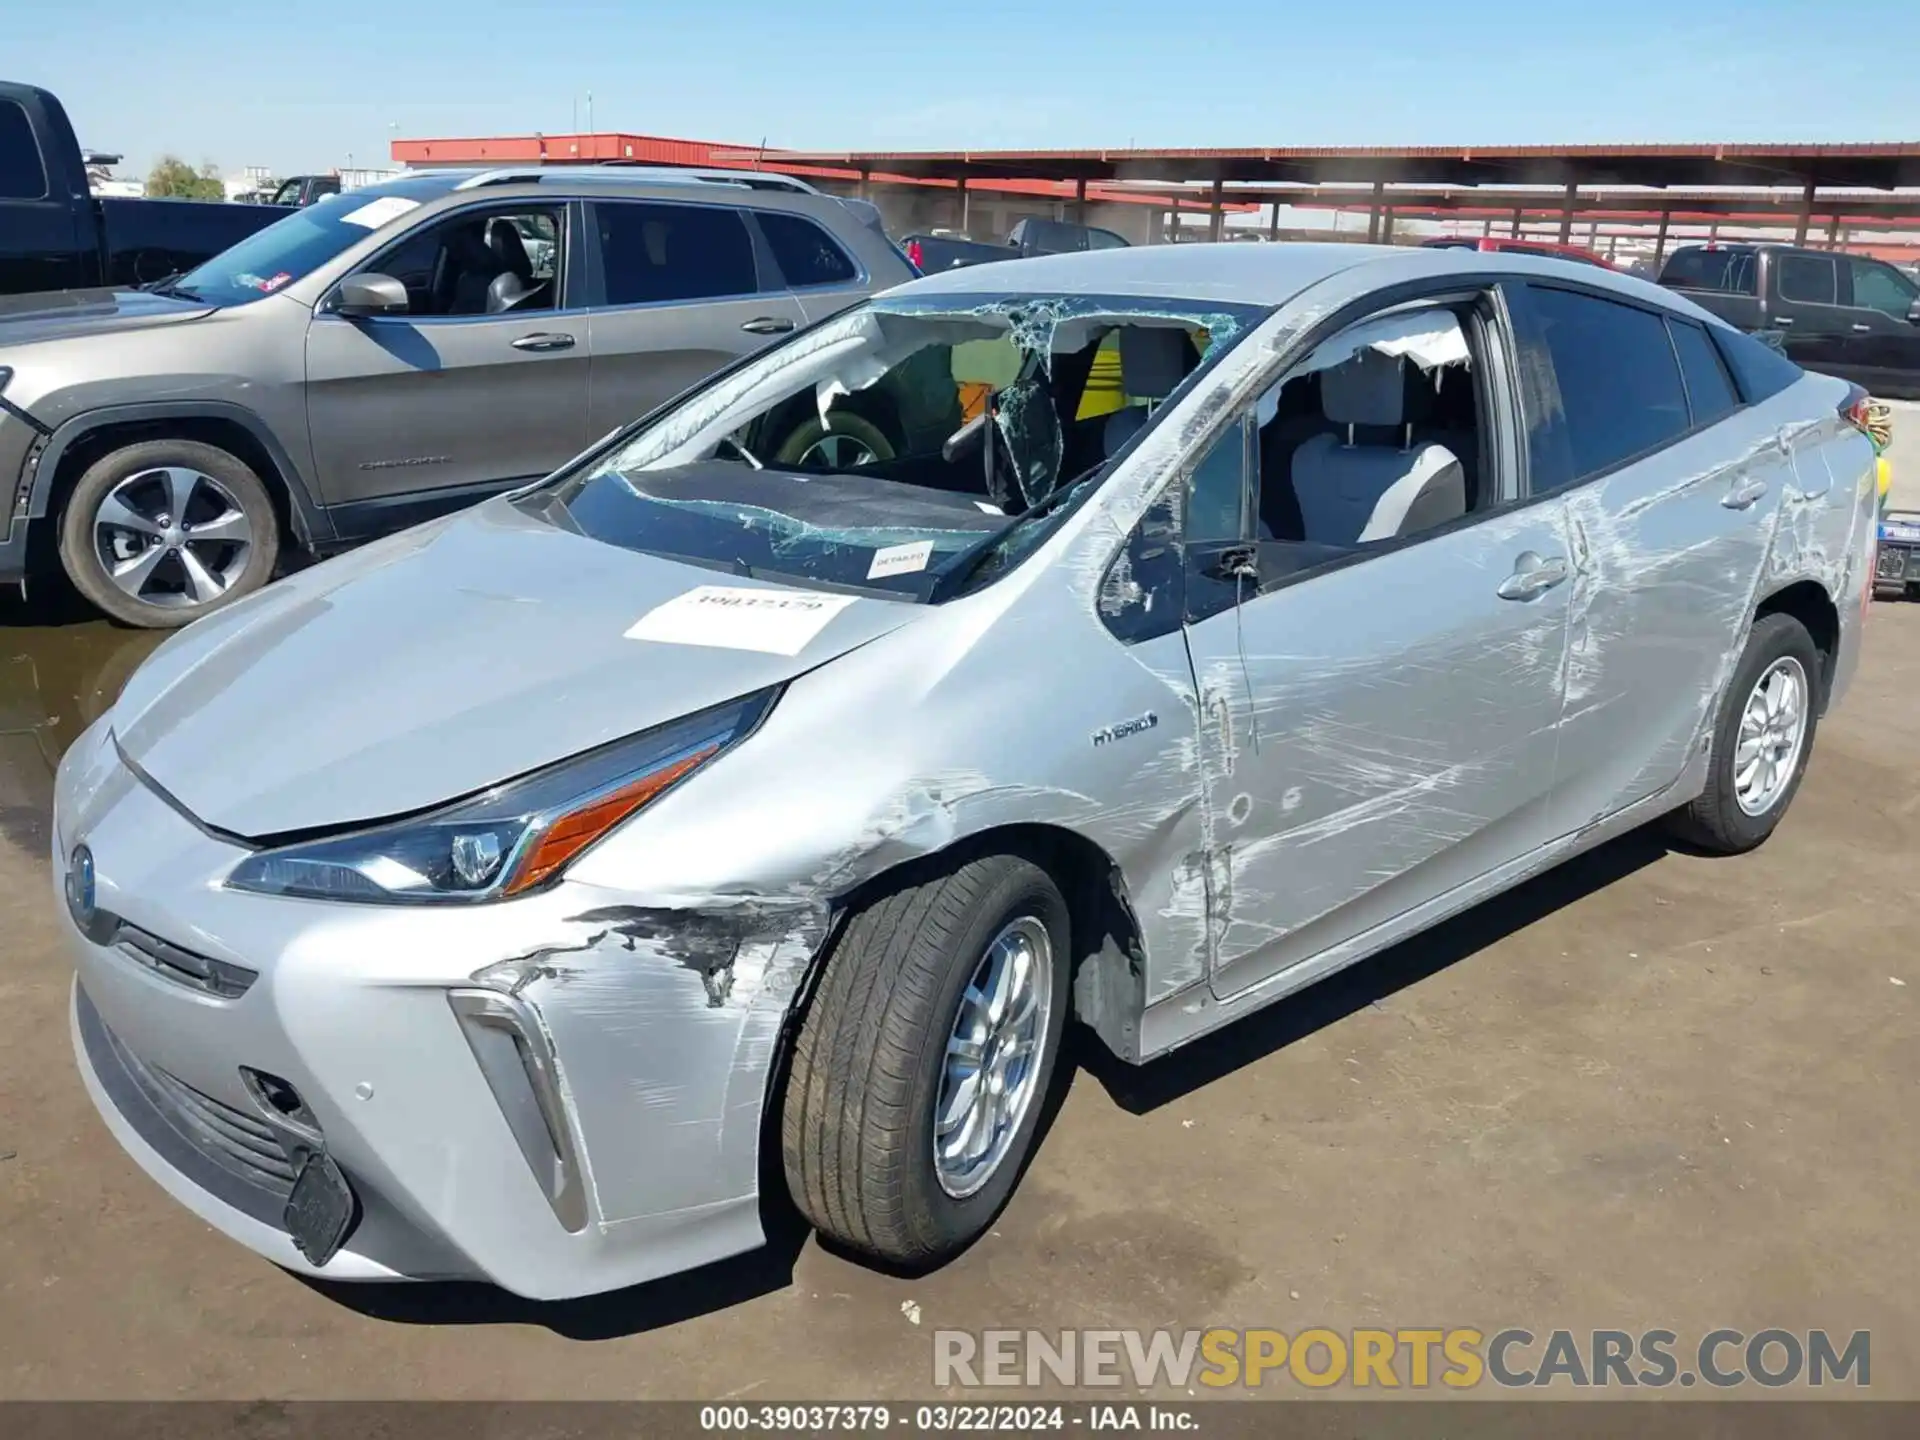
(1650, 1089)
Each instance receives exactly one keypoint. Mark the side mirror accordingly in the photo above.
(1913, 313)
(370, 293)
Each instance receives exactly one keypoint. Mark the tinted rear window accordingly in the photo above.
(1709, 387)
(1759, 369)
(805, 253)
(1728, 270)
(673, 252)
(22, 176)
(1620, 389)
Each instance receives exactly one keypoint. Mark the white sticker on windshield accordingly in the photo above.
(375, 213)
(988, 507)
(900, 559)
(728, 617)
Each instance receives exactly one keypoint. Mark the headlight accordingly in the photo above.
(512, 839)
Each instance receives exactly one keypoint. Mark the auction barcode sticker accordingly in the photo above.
(730, 617)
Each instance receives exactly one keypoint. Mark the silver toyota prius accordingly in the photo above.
(1162, 630)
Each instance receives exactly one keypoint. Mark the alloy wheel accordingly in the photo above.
(1773, 729)
(172, 537)
(992, 1063)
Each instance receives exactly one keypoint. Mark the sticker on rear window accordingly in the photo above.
(900, 559)
(375, 213)
(726, 617)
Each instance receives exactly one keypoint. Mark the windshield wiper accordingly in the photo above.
(170, 290)
(952, 577)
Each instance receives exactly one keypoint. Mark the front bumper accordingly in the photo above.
(662, 1046)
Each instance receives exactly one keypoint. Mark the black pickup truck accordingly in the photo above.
(1845, 315)
(55, 234)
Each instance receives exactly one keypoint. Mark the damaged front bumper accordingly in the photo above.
(561, 1095)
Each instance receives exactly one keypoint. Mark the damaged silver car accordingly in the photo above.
(1153, 633)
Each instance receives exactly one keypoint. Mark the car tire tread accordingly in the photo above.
(1714, 821)
(859, 1083)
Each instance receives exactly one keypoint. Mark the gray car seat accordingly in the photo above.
(515, 282)
(1353, 490)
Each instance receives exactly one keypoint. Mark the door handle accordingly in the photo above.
(1532, 577)
(1744, 494)
(1862, 329)
(767, 325)
(1783, 320)
(544, 340)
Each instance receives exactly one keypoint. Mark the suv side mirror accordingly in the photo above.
(370, 293)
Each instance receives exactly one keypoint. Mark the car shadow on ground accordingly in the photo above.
(1139, 1089)
(1136, 1089)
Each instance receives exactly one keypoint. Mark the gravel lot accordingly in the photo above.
(1650, 1089)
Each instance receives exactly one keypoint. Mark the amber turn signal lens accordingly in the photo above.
(571, 833)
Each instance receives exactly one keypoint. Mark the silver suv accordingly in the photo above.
(392, 353)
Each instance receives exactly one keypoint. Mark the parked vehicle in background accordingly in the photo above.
(56, 235)
(934, 252)
(305, 189)
(393, 352)
(1846, 315)
(1509, 245)
(697, 804)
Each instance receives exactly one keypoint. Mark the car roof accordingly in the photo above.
(1266, 274)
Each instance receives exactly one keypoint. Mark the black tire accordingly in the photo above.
(857, 1121)
(1715, 821)
(812, 430)
(82, 558)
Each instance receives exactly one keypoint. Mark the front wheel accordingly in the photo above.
(1761, 740)
(163, 532)
(921, 1069)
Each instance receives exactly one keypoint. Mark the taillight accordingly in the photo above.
(914, 254)
(1854, 410)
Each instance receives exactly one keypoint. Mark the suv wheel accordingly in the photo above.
(840, 442)
(160, 533)
(924, 1061)
(1760, 742)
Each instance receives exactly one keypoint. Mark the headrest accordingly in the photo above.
(1366, 390)
(508, 248)
(1153, 360)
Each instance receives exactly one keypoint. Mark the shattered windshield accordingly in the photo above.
(911, 445)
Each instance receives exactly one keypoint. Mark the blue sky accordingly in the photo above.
(255, 85)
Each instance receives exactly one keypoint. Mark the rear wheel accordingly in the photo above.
(1761, 740)
(920, 1072)
(163, 532)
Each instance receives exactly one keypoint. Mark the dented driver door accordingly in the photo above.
(1375, 733)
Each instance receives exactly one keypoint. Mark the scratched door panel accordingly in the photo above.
(1667, 554)
(1375, 736)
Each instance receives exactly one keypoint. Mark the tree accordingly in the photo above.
(173, 177)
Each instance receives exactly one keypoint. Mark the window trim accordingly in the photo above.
(1493, 342)
(1868, 262)
(1780, 258)
(860, 279)
(37, 151)
(596, 296)
(1749, 253)
(1660, 312)
(566, 270)
(1696, 424)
